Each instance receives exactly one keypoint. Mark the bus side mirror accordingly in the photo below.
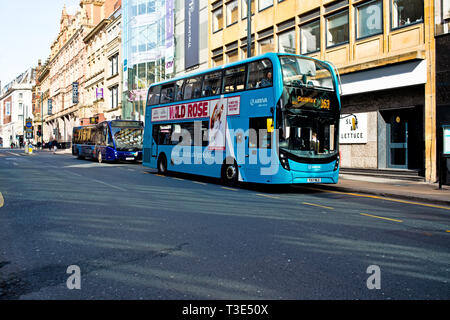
(270, 125)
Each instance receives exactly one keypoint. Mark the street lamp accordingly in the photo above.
(249, 28)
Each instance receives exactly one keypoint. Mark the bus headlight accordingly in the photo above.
(284, 161)
(336, 166)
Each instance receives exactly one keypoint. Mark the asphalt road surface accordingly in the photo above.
(136, 235)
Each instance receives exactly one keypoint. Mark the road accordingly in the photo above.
(137, 235)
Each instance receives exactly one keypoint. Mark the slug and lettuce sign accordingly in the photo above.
(353, 128)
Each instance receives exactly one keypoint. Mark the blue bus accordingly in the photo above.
(109, 141)
(270, 119)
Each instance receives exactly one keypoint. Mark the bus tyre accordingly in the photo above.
(162, 164)
(230, 174)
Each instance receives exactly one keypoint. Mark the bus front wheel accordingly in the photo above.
(162, 164)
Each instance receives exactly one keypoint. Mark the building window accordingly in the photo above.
(232, 56)
(217, 20)
(218, 61)
(7, 108)
(263, 4)
(405, 12)
(20, 95)
(310, 37)
(445, 10)
(245, 8)
(266, 45)
(286, 42)
(232, 12)
(114, 64)
(337, 29)
(244, 51)
(114, 97)
(369, 17)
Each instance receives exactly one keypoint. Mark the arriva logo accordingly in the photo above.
(259, 101)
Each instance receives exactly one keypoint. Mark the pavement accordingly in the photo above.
(393, 188)
(382, 187)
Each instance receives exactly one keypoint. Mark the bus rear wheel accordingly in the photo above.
(230, 174)
(162, 164)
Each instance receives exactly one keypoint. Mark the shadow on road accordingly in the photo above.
(257, 187)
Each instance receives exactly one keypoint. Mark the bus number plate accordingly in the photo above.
(314, 180)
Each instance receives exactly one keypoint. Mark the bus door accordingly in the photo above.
(259, 148)
(154, 145)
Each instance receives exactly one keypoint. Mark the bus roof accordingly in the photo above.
(205, 71)
(109, 121)
(269, 55)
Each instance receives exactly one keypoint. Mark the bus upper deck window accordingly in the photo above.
(153, 96)
(212, 83)
(260, 74)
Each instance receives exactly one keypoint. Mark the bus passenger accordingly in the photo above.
(267, 81)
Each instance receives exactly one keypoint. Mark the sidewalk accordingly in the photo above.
(400, 189)
(59, 151)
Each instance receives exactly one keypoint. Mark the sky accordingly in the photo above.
(27, 29)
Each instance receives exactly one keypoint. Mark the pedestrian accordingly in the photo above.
(55, 146)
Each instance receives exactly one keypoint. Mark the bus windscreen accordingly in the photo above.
(127, 139)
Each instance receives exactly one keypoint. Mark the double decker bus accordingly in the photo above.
(109, 141)
(271, 119)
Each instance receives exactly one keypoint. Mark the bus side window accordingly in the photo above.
(193, 88)
(179, 90)
(257, 74)
(164, 135)
(234, 79)
(167, 93)
(205, 133)
(212, 84)
(155, 132)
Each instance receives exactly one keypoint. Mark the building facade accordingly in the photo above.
(16, 108)
(67, 67)
(113, 67)
(442, 25)
(77, 68)
(161, 39)
(385, 53)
